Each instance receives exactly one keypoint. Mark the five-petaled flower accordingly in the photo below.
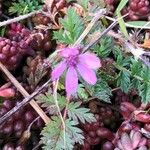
(75, 63)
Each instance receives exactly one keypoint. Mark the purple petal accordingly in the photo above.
(69, 51)
(90, 60)
(87, 74)
(58, 70)
(71, 81)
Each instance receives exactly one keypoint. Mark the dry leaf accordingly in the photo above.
(146, 43)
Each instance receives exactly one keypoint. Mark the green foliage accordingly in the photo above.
(24, 6)
(122, 24)
(133, 74)
(2, 31)
(82, 93)
(123, 81)
(102, 91)
(84, 3)
(47, 101)
(76, 113)
(72, 27)
(75, 132)
(53, 135)
(144, 88)
(104, 48)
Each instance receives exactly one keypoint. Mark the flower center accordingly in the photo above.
(72, 61)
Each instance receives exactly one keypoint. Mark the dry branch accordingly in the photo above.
(24, 93)
(24, 102)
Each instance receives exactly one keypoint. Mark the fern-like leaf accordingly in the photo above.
(102, 91)
(72, 27)
(53, 137)
(47, 101)
(76, 112)
(24, 6)
(123, 81)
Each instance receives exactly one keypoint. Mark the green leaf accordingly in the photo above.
(122, 25)
(47, 101)
(121, 5)
(121, 21)
(72, 27)
(138, 24)
(24, 6)
(102, 91)
(144, 92)
(76, 113)
(53, 136)
(82, 93)
(104, 48)
(75, 132)
(144, 88)
(123, 81)
(84, 3)
(136, 67)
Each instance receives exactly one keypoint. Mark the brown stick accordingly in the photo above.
(24, 93)
(16, 19)
(24, 102)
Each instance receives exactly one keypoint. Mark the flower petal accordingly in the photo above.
(58, 70)
(90, 60)
(69, 51)
(71, 81)
(87, 74)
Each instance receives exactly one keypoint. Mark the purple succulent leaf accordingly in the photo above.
(120, 145)
(58, 70)
(126, 142)
(132, 134)
(136, 139)
(142, 142)
(142, 148)
(90, 60)
(71, 81)
(69, 51)
(87, 74)
(117, 149)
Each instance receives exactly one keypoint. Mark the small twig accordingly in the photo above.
(37, 146)
(24, 93)
(100, 35)
(97, 16)
(16, 19)
(24, 102)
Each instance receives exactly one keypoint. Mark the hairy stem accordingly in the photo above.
(55, 86)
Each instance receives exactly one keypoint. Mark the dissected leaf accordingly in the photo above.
(82, 93)
(53, 135)
(47, 101)
(78, 113)
(72, 28)
(123, 81)
(102, 91)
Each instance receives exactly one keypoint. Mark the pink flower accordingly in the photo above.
(74, 62)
